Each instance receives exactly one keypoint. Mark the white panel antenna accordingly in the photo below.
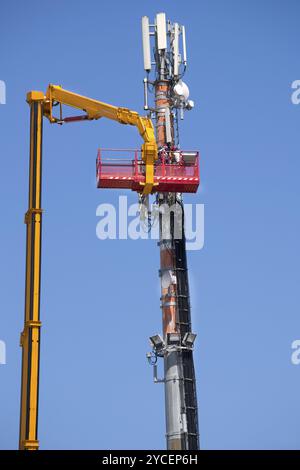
(176, 49)
(168, 125)
(183, 45)
(161, 31)
(146, 43)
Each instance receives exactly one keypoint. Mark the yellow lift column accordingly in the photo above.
(30, 337)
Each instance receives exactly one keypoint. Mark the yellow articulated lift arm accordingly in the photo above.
(42, 105)
(95, 110)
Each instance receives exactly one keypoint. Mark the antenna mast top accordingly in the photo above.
(167, 61)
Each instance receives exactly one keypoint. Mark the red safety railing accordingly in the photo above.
(121, 172)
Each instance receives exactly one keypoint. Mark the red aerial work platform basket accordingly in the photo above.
(174, 171)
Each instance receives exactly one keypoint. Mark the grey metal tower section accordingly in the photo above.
(175, 346)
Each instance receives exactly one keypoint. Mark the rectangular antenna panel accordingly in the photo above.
(176, 49)
(168, 126)
(184, 44)
(146, 43)
(161, 31)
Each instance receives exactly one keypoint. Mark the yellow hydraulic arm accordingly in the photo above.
(95, 110)
(42, 105)
(30, 337)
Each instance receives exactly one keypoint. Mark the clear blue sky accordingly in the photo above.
(100, 300)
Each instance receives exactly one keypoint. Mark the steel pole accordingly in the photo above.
(181, 412)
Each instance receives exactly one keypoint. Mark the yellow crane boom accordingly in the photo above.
(42, 105)
(95, 109)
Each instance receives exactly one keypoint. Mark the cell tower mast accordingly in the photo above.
(176, 346)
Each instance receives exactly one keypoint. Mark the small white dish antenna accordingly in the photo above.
(181, 89)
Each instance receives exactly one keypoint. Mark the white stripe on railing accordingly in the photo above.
(169, 178)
